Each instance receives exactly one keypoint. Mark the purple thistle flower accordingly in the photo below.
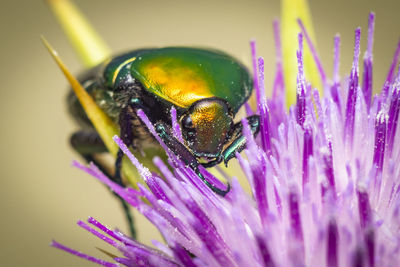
(324, 177)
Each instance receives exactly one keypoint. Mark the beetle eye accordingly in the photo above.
(187, 122)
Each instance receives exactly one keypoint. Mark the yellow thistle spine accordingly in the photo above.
(291, 11)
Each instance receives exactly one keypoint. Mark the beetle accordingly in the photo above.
(207, 88)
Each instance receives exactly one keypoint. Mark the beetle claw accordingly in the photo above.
(213, 187)
(213, 162)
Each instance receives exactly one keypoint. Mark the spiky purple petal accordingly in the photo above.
(352, 90)
(335, 88)
(175, 125)
(394, 110)
(314, 53)
(301, 86)
(278, 89)
(82, 255)
(307, 153)
(332, 244)
(265, 127)
(324, 179)
(255, 69)
(367, 75)
(392, 69)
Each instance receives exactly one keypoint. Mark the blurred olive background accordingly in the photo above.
(42, 196)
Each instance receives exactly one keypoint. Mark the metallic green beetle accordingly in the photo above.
(207, 88)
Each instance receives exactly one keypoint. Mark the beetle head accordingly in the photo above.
(206, 126)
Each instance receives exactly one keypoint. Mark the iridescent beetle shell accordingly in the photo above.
(207, 88)
(181, 76)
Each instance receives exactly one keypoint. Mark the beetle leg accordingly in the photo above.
(239, 142)
(213, 162)
(88, 143)
(126, 117)
(184, 154)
